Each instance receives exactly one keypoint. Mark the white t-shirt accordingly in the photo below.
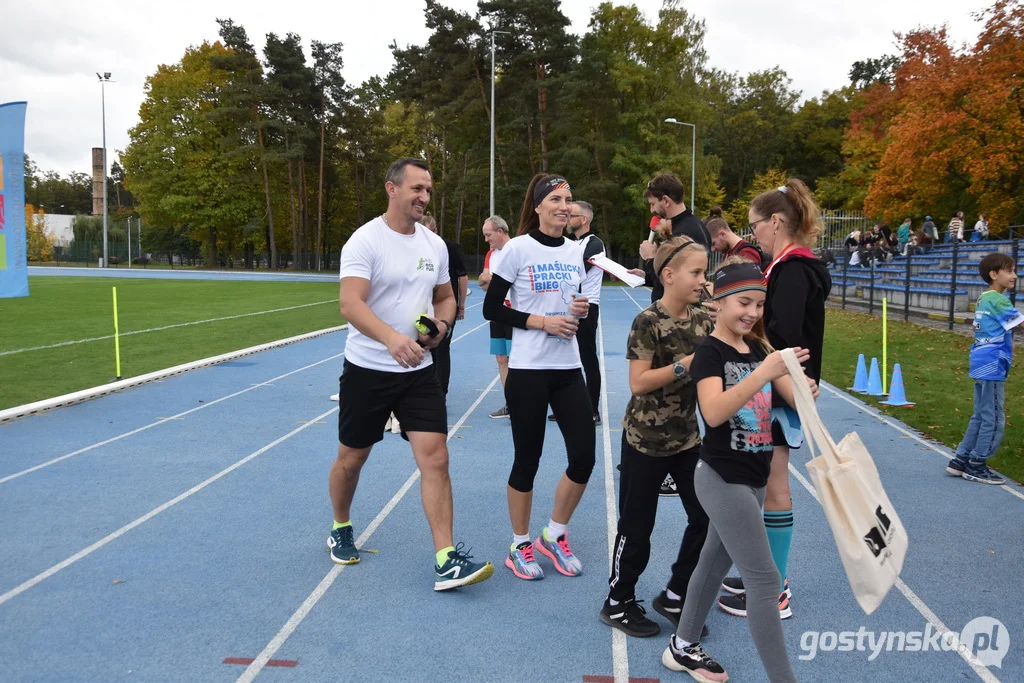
(544, 280)
(403, 271)
(591, 280)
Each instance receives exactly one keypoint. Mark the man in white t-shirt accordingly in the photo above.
(496, 234)
(393, 270)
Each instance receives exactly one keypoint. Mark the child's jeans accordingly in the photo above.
(985, 430)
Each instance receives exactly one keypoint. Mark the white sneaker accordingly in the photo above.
(335, 397)
(395, 427)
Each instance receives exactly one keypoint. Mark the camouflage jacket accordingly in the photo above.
(664, 421)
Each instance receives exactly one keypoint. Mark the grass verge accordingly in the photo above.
(63, 309)
(935, 373)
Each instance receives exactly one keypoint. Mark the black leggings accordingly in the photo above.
(587, 338)
(528, 394)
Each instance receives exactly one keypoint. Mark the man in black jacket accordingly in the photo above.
(665, 197)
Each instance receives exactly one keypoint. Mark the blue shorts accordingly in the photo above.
(786, 428)
(501, 347)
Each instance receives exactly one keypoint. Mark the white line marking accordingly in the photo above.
(165, 327)
(882, 418)
(620, 657)
(159, 421)
(151, 514)
(463, 336)
(626, 292)
(321, 589)
(917, 602)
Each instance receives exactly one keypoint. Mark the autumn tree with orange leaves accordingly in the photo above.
(948, 134)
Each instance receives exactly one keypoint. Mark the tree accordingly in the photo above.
(762, 182)
(867, 72)
(39, 243)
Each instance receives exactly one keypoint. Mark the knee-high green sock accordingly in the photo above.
(779, 524)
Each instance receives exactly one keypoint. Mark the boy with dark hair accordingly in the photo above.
(991, 356)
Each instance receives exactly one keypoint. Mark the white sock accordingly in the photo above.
(519, 538)
(680, 643)
(557, 530)
(672, 596)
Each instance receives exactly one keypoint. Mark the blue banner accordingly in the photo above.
(13, 246)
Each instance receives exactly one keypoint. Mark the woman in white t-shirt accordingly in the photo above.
(541, 271)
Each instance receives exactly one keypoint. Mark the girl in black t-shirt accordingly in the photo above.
(736, 371)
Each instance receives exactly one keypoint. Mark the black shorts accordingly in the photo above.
(368, 397)
(501, 331)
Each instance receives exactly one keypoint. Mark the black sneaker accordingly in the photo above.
(672, 609)
(668, 487)
(693, 660)
(736, 605)
(500, 413)
(597, 419)
(982, 474)
(457, 570)
(630, 618)
(734, 584)
(342, 546)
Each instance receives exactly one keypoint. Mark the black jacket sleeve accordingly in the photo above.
(495, 308)
(649, 273)
(791, 290)
(456, 264)
(594, 247)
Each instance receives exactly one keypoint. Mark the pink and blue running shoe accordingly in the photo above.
(522, 562)
(558, 551)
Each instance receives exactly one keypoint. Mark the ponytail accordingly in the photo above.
(794, 201)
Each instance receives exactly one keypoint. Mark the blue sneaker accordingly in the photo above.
(457, 570)
(956, 467)
(558, 551)
(342, 546)
(522, 562)
(978, 471)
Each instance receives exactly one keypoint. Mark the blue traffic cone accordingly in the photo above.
(860, 378)
(875, 380)
(897, 394)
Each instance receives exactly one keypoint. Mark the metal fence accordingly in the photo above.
(945, 279)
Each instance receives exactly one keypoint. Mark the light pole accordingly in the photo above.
(492, 116)
(104, 79)
(693, 161)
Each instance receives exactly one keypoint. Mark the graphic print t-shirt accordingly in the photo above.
(403, 271)
(664, 421)
(544, 281)
(992, 351)
(739, 449)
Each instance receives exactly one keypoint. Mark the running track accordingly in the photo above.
(192, 541)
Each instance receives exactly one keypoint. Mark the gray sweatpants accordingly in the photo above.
(736, 535)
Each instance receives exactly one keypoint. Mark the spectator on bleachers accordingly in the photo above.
(885, 231)
(929, 229)
(956, 227)
(920, 242)
(980, 229)
(903, 235)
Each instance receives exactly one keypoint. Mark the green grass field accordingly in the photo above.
(63, 309)
(935, 373)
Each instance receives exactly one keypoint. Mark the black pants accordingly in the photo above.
(442, 355)
(586, 335)
(528, 394)
(639, 481)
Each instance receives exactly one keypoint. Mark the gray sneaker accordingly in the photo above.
(500, 413)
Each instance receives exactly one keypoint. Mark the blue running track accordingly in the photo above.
(177, 532)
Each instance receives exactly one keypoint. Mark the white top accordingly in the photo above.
(981, 227)
(544, 281)
(591, 287)
(403, 271)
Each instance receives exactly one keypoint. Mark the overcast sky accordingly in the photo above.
(54, 47)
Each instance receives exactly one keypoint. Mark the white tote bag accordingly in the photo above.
(870, 537)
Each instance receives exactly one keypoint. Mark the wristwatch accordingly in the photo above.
(679, 369)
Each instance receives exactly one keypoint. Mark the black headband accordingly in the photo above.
(674, 252)
(546, 187)
(738, 277)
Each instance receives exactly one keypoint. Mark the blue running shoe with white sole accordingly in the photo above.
(458, 570)
(342, 546)
(558, 551)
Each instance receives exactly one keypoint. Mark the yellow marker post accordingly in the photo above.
(885, 341)
(117, 339)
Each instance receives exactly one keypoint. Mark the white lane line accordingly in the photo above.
(152, 513)
(165, 327)
(626, 292)
(310, 602)
(160, 421)
(881, 418)
(620, 656)
(919, 604)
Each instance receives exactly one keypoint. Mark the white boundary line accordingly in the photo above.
(911, 597)
(321, 589)
(159, 274)
(620, 656)
(164, 327)
(983, 672)
(160, 421)
(882, 418)
(152, 513)
(104, 389)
